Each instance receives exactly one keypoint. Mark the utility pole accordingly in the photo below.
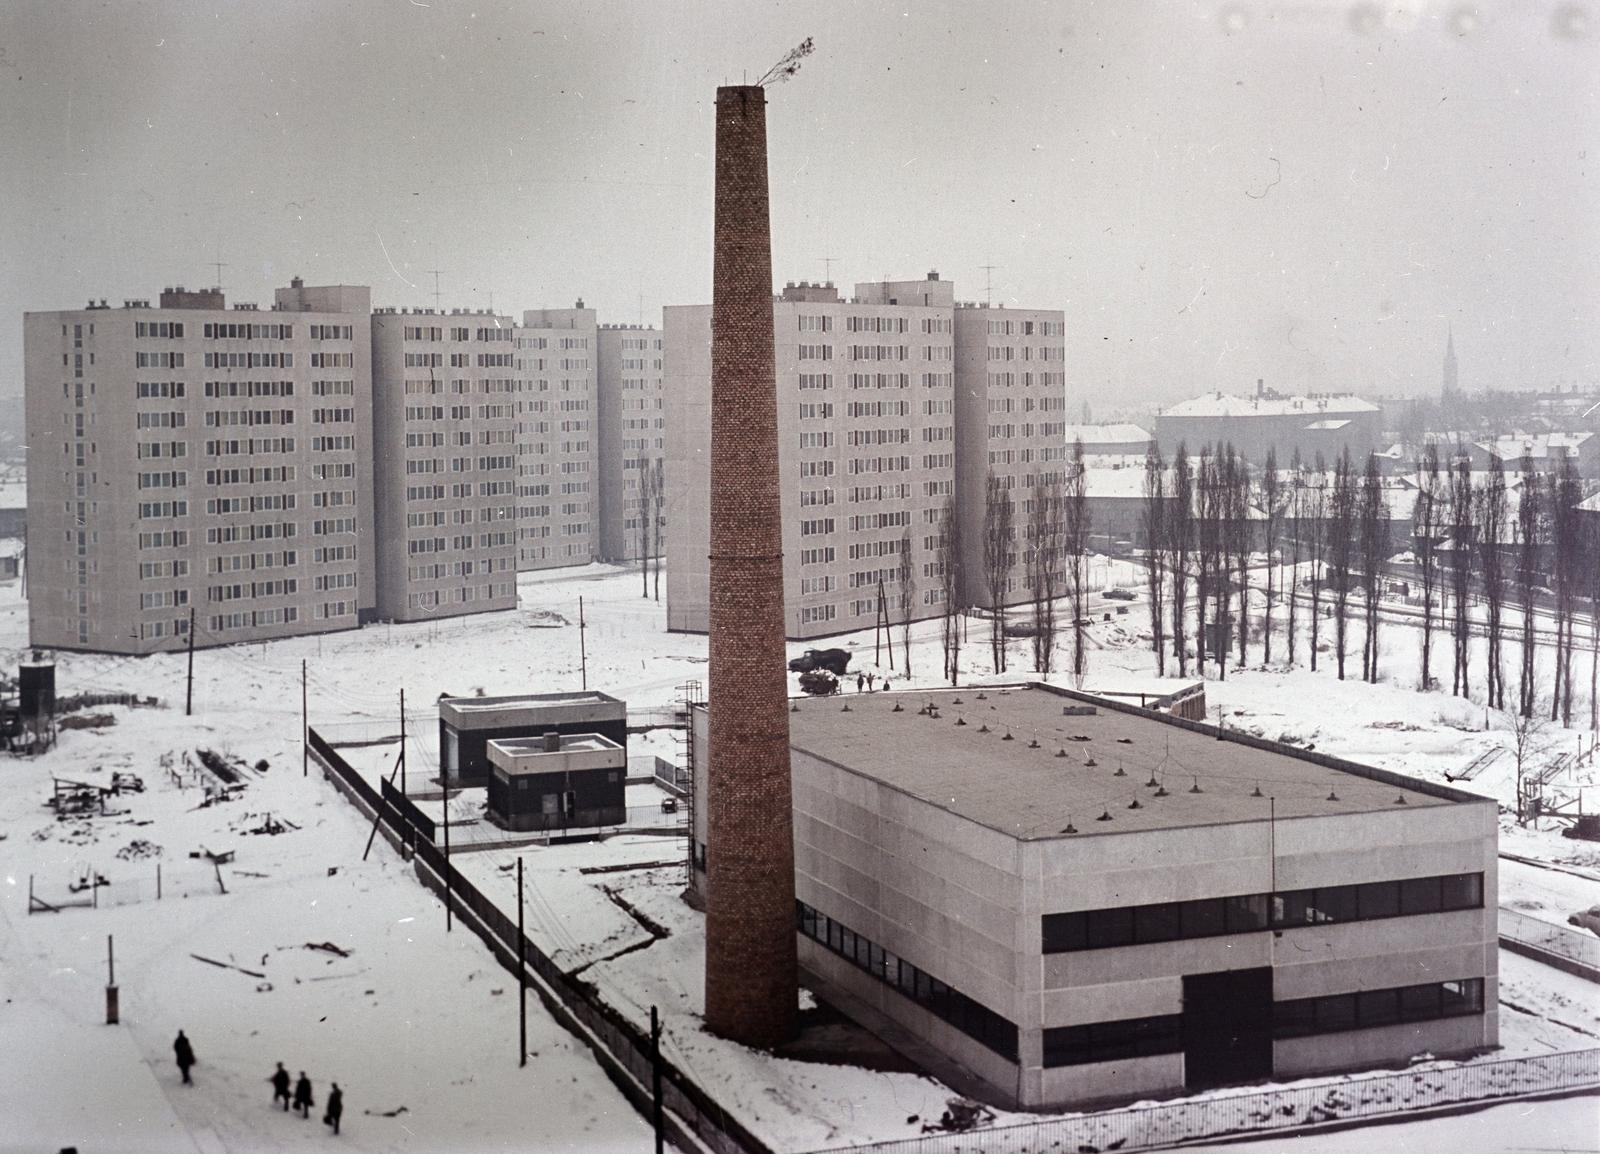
(449, 918)
(583, 646)
(522, 975)
(655, 1077)
(188, 693)
(403, 746)
(112, 1015)
(305, 725)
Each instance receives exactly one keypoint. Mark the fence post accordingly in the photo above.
(158, 881)
(522, 975)
(112, 1014)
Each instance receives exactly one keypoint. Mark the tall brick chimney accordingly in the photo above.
(751, 981)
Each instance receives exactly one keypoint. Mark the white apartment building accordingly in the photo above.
(556, 493)
(195, 461)
(1011, 400)
(445, 392)
(631, 439)
(872, 395)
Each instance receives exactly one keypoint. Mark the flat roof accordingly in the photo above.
(1032, 792)
(527, 701)
(570, 743)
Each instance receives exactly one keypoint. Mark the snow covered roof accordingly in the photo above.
(1269, 405)
(1539, 446)
(13, 494)
(1328, 425)
(1592, 505)
(1092, 435)
(1026, 791)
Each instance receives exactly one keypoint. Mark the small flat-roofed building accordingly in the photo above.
(1048, 898)
(557, 782)
(468, 724)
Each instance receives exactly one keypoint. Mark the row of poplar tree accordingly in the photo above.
(1325, 535)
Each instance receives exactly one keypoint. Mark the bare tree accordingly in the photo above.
(999, 515)
(1043, 559)
(1529, 739)
(1154, 519)
(1566, 493)
(908, 597)
(1374, 517)
(1427, 516)
(1341, 549)
(1461, 534)
(1205, 551)
(949, 567)
(1237, 474)
(1075, 534)
(1491, 517)
(1297, 501)
(1530, 532)
(1180, 550)
(1317, 508)
(1271, 501)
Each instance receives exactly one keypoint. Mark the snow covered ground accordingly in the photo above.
(433, 1034)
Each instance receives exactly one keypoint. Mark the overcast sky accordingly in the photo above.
(1307, 192)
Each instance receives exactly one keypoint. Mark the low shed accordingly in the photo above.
(557, 782)
(468, 724)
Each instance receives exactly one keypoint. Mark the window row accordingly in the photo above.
(1246, 913)
(973, 1019)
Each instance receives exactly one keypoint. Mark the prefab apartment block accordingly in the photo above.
(557, 782)
(1052, 899)
(468, 724)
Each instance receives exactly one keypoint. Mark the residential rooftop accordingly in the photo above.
(1269, 404)
(1064, 767)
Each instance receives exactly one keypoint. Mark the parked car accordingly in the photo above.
(835, 661)
(1588, 919)
(1117, 595)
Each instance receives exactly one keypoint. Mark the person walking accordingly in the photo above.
(861, 682)
(302, 1095)
(280, 1087)
(335, 1108)
(184, 1053)
(871, 677)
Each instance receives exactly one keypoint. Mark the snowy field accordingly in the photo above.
(416, 1019)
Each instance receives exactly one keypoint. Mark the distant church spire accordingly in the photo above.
(1451, 388)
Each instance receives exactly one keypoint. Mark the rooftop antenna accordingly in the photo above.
(219, 265)
(827, 268)
(988, 282)
(436, 273)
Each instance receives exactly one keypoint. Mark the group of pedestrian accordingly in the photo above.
(865, 680)
(302, 1097)
(302, 1101)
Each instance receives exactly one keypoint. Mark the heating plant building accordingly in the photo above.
(1048, 898)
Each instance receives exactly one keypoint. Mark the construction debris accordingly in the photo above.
(961, 1114)
(139, 848)
(227, 966)
(126, 783)
(328, 947)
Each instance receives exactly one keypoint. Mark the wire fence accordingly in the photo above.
(1579, 947)
(129, 883)
(1286, 1108)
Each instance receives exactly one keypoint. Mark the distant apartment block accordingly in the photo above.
(445, 391)
(631, 438)
(195, 459)
(872, 394)
(557, 501)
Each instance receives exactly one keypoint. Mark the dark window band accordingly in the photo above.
(1370, 1009)
(1299, 1018)
(1244, 913)
(976, 1021)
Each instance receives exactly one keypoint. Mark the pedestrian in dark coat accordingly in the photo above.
(335, 1107)
(861, 682)
(871, 677)
(280, 1086)
(886, 685)
(302, 1095)
(184, 1053)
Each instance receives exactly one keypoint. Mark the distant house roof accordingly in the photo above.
(1592, 505)
(1539, 446)
(1092, 435)
(1328, 425)
(13, 494)
(1269, 405)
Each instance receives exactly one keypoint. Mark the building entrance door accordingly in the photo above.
(1227, 1027)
